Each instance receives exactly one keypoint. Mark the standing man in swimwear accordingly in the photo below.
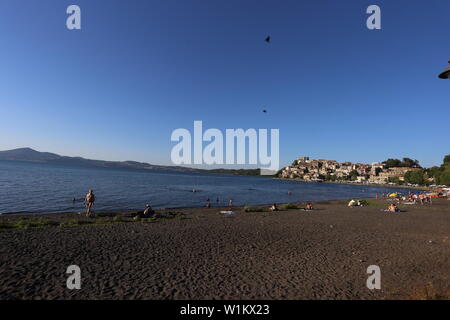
(89, 201)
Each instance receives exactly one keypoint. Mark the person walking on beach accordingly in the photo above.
(89, 201)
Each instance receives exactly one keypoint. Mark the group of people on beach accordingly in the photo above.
(411, 198)
(422, 198)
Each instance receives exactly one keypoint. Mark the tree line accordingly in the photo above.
(439, 175)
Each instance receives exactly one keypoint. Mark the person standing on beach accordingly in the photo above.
(89, 201)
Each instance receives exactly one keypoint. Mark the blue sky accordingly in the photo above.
(140, 69)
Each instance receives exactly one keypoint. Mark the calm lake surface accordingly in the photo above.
(46, 188)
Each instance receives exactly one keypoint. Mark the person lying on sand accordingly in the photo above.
(273, 207)
(89, 201)
(392, 208)
(353, 203)
(308, 207)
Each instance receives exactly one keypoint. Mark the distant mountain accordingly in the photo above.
(30, 155)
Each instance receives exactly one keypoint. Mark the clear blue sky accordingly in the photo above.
(140, 69)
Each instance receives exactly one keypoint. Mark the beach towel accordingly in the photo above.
(227, 212)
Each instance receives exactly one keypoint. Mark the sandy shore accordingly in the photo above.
(291, 254)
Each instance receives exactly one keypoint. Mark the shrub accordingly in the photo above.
(118, 218)
(70, 223)
(364, 203)
(7, 225)
(149, 220)
(253, 209)
(32, 223)
(288, 206)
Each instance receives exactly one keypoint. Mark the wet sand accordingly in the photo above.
(294, 254)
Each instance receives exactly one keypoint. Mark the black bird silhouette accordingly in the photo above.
(268, 39)
(264, 110)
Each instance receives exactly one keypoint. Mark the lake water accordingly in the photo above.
(46, 188)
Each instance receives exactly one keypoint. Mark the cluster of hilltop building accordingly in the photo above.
(320, 170)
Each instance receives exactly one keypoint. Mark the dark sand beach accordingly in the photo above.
(290, 254)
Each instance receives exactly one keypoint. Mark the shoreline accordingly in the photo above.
(421, 188)
(182, 210)
(200, 207)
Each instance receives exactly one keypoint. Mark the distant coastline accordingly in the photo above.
(33, 156)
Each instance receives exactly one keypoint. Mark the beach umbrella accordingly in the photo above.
(394, 194)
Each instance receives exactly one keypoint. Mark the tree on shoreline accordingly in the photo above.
(441, 175)
(407, 162)
(415, 177)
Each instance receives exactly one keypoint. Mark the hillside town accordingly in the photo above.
(330, 170)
